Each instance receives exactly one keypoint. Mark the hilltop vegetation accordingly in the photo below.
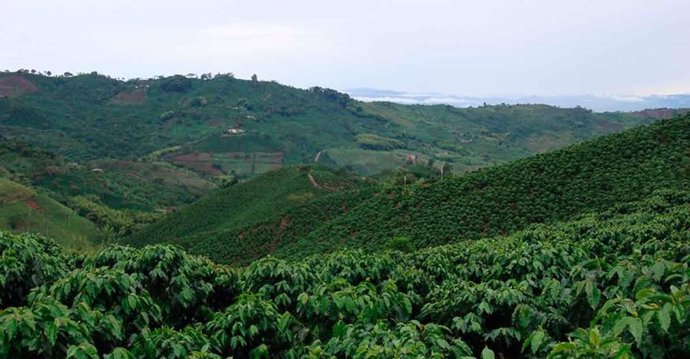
(608, 285)
(185, 121)
(588, 177)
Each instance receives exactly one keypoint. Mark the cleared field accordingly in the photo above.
(240, 163)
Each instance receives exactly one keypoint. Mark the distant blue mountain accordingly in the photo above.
(594, 102)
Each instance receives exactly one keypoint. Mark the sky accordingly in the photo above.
(476, 48)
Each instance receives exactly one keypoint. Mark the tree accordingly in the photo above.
(177, 83)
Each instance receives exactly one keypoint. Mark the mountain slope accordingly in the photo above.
(185, 121)
(592, 176)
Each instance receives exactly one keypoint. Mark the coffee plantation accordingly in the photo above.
(608, 284)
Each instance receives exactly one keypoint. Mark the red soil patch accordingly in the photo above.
(31, 203)
(275, 158)
(131, 97)
(14, 86)
(199, 161)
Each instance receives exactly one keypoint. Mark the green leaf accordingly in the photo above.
(121, 353)
(537, 339)
(635, 328)
(593, 295)
(11, 328)
(488, 353)
(339, 329)
(132, 301)
(303, 298)
(260, 352)
(84, 350)
(658, 270)
(664, 315)
(51, 332)
(594, 337)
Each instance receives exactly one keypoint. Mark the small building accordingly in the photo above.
(235, 131)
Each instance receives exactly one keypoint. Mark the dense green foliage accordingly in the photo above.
(579, 253)
(556, 186)
(266, 196)
(609, 285)
(91, 116)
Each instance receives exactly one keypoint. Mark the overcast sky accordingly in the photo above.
(479, 48)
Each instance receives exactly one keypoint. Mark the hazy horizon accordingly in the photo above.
(496, 48)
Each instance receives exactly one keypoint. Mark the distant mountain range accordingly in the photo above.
(594, 102)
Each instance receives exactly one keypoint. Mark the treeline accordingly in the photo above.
(608, 285)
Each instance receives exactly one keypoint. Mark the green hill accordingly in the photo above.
(123, 153)
(147, 186)
(267, 196)
(591, 176)
(22, 209)
(185, 121)
(117, 196)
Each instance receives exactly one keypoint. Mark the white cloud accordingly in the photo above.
(255, 37)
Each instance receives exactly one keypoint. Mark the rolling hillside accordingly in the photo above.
(593, 176)
(218, 125)
(267, 196)
(147, 186)
(23, 209)
(114, 195)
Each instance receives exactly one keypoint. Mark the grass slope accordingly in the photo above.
(592, 176)
(23, 209)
